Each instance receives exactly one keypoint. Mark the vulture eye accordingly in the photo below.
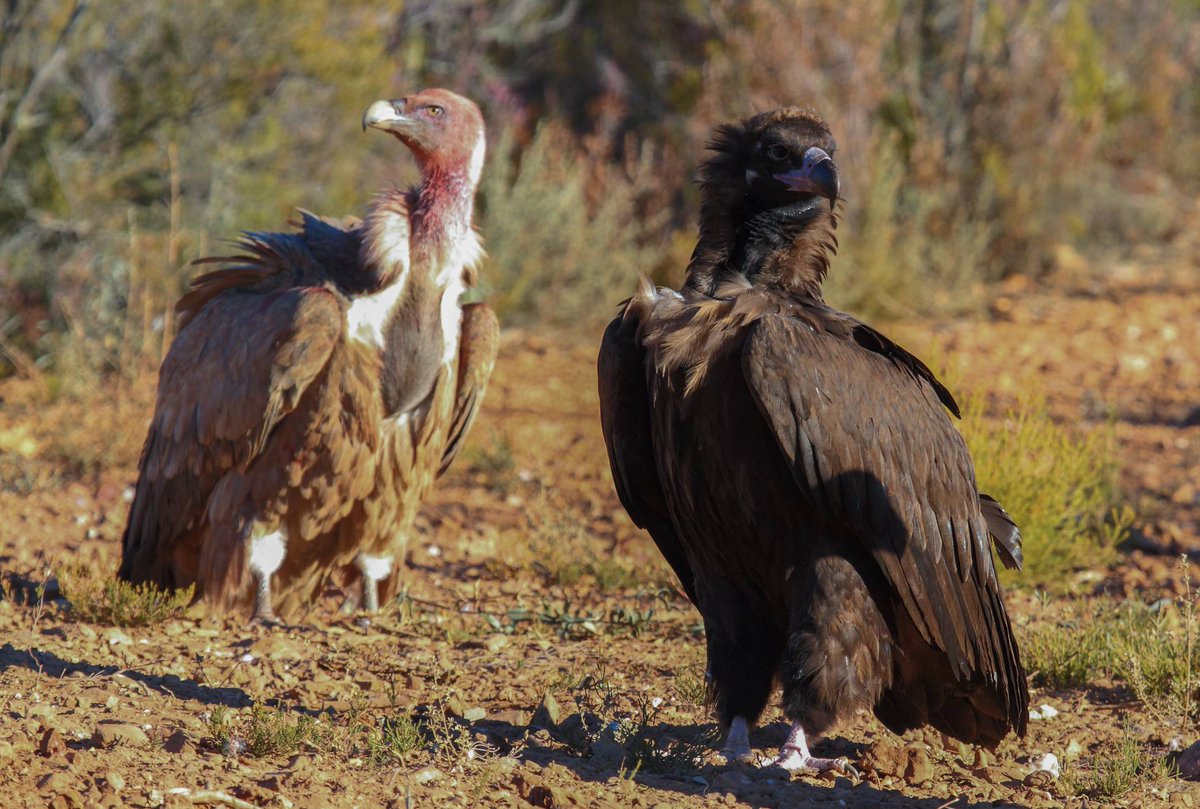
(434, 111)
(777, 151)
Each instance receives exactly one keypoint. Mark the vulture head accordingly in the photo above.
(443, 130)
(778, 159)
(768, 193)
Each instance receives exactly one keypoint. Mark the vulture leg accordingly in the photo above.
(744, 648)
(838, 658)
(737, 741)
(794, 756)
(266, 555)
(373, 568)
(262, 600)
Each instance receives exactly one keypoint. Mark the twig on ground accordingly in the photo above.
(210, 796)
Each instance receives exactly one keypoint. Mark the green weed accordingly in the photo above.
(1117, 771)
(1058, 484)
(109, 600)
(691, 689)
(270, 732)
(495, 463)
(1151, 649)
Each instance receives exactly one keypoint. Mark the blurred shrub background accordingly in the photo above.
(977, 139)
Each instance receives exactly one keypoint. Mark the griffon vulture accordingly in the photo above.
(801, 475)
(319, 382)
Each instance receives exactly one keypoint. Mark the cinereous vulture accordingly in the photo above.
(801, 475)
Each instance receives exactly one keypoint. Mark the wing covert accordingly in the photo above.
(626, 422)
(871, 448)
(238, 367)
(479, 341)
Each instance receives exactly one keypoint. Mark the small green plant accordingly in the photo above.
(114, 601)
(495, 463)
(1057, 484)
(216, 722)
(648, 752)
(452, 742)
(1149, 648)
(270, 732)
(1062, 658)
(393, 740)
(1117, 771)
(691, 689)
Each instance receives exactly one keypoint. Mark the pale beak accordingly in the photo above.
(388, 116)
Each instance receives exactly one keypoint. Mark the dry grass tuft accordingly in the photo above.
(97, 598)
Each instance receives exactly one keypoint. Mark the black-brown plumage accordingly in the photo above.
(800, 472)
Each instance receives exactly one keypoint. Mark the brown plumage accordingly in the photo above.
(319, 382)
(801, 475)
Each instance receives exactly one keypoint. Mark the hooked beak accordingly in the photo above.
(388, 116)
(817, 174)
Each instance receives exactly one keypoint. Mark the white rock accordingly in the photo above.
(1047, 763)
(1043, 711)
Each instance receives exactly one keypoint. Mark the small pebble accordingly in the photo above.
(1043, 712)
(1047, 763)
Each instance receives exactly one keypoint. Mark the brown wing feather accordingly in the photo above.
(626, 421)
(476, 358)
(1006, 537)
(238, 367)
(871, 448)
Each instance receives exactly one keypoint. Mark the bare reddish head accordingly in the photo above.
(443, 129)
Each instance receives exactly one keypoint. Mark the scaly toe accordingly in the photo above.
(794, 760)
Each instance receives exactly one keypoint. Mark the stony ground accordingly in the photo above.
(541, 651)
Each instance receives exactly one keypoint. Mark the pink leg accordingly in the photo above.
(794, 756)
(737, 741)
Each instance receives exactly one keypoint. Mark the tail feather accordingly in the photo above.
(1006, 537)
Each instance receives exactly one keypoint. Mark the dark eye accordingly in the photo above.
(777, 151)
(434, 111)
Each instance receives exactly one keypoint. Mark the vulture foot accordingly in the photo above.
(737, 742)
(795, 756)
(793, 760)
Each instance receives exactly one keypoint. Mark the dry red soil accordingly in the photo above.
(527, 579)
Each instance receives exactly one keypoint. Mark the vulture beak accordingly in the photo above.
(818, 174)
(388, 116)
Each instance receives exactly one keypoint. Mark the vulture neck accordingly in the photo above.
(444, 243)
(423, 241)
(787, 248)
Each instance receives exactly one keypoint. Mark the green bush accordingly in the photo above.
(1057, 483)
(565, 236)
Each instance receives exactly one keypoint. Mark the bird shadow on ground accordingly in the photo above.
(54, 666)
(758, 786)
